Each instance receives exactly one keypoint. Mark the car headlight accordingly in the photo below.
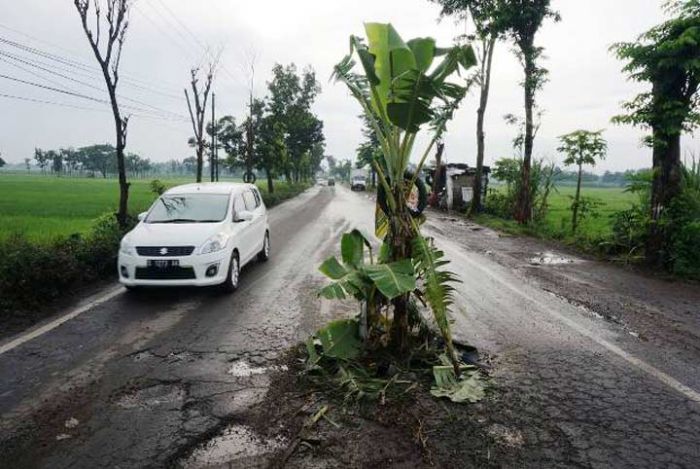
(126, 248)
(214, 244)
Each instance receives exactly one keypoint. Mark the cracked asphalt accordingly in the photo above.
(595, 366)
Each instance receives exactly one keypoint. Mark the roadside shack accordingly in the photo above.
(455, 183)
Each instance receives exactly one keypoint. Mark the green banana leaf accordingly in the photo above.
(340, 339)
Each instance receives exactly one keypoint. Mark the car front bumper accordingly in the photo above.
(133, 270)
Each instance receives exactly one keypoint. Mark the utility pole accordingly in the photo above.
(212, 155)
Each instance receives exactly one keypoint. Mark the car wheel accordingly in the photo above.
(230, 285)
(264, 255)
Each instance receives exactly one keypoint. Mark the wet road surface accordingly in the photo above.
(159, 379)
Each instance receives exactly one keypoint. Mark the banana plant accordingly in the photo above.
(403, 88)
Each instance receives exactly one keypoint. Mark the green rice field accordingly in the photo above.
(44, 207)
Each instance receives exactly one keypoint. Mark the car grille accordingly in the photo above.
(171, 273)
(171, 251)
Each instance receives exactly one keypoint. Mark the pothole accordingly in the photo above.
(242, 369)
(551, 258)
(237, 446)
(159, 395)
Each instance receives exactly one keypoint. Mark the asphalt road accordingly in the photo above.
(142, 380)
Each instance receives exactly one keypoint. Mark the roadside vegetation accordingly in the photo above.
(660, 225)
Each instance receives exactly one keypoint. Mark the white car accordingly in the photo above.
(196, 235)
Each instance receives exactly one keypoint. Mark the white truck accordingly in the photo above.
(358, 181)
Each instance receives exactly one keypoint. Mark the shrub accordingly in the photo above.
(33, 274)
(157, 187)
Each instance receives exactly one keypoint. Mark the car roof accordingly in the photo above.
(209, 188)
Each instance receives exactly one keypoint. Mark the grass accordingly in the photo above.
(557, 223)
(612, 200)
(46, 207)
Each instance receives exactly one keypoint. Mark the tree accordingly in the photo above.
(108, 58)
(400, 91)
(581, 147)
(667, 57)
(97, 158)
(369, 150)
(28, 164)
(229, 136)
(56, 162)
(2, 162)
(521, 19)
(41, 158)
(487, 16)
(200, 97)
(290, 100)
(271, 149)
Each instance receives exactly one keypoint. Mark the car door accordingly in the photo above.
(254, 205)
(243, 230)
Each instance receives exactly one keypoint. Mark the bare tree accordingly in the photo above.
(200, 97)
(108, 55)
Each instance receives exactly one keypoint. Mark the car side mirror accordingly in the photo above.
(244, 215)
(142, 216)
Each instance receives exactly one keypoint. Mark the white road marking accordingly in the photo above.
(57, 322)
(629, 358)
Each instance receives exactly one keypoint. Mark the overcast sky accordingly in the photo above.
(167, 37)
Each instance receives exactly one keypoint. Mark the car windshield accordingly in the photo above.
(189, 208)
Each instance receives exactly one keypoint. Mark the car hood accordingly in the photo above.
(172, 234)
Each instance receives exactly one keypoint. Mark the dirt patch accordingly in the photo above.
(413, 431)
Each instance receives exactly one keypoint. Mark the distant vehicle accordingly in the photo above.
(358, 183)
(331, 182)
(196, 235)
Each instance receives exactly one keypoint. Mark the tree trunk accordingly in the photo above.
(665, 186)
(400, 238)
(577, 197)
(270, 186)
(480, 137)
(523, 210)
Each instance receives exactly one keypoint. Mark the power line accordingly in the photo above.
(126, 76)
(89, 85)
(82, 108)
(73, 64)
(79, 95)
(41, 101)
(204, 47)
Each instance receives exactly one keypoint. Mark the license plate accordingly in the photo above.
(163, 263)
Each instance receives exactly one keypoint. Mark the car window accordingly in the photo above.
(189, 208)
(249, 200)
(258, 198)
(238, 206)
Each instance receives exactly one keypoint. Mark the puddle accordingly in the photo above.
(160, 395)
(550, 258)
(242, 369)
(237, 446)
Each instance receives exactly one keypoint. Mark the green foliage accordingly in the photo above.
(362, 280)
(469, 387)
(507, 170)
(583, 147)
(33, 274)
(340, 339)
(436, 284)
(157, 187)
(404, 86)
(667, 57)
